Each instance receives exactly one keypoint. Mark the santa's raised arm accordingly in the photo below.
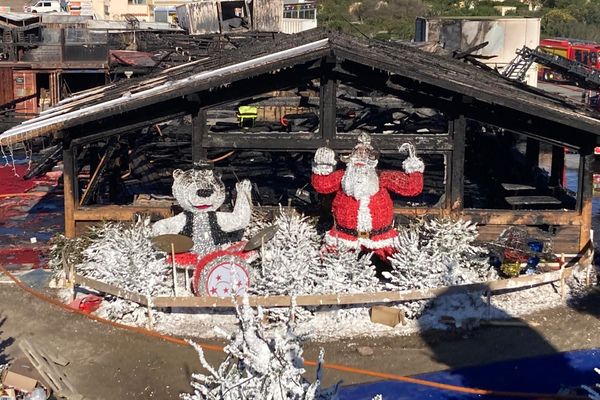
(362, 207)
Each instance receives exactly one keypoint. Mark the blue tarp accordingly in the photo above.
(545, 374)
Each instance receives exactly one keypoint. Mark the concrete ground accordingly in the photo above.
(108, 363)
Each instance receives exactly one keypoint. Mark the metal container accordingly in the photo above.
(24, 84)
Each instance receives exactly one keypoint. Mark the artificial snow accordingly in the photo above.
(336, 322)
(431, 254)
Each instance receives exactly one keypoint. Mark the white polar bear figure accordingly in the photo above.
(200, 192)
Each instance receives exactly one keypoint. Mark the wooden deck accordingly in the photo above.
(521, 201)
(516, 187)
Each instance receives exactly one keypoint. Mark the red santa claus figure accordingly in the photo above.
(362, 208)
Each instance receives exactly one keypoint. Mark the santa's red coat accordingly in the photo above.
(345, 208)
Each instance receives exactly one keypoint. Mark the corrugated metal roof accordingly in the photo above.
(133, 58)
(18, 16)
(122, 25)
(65, 18)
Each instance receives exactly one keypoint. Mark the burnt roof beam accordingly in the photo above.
(129, 122)
(249, 88)
(442, 78)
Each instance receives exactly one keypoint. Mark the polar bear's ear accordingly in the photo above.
(177, 173)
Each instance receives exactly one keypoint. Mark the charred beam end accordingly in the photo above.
(199, 132)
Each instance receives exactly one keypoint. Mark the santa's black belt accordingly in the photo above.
(364, 234)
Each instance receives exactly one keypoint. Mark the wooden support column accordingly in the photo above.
(63, 38)
(69, 189)
(220, 15)
(457, 164)
(199, 133)
(558, 166)
(327, 101)
(54, 81)
(98, 170)
(585, 196)
(532, 153)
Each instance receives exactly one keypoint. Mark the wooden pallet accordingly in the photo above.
(48, 368)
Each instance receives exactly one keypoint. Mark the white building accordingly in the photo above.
(504, 36)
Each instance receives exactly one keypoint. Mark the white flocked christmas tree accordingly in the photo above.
(294, 263)
(289, 261)
(434, 253)
(346, 270)
(122, 255)
(260, 364)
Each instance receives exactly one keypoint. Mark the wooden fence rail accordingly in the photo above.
(316, 300)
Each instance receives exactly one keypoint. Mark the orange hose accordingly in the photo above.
(336, 367)
(224, 156)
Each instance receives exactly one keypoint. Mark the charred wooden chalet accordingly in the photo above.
(479, 134)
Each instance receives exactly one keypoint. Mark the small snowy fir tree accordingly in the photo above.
(440, 252)
(292, 263)
(290, 260)
(70, 251)
(347, 271)
(259, 220)
(259, 365)
(122, 255)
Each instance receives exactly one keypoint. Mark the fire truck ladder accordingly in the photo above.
(518, 67)
(586, 77)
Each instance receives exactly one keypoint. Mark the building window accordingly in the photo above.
(137, 2)
(299, 11)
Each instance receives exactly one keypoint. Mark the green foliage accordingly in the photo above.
(395, 19)
(581, 21)
(391, 19)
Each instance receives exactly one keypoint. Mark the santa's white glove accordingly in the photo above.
(412, 162)
(324, 162)
(244, 187)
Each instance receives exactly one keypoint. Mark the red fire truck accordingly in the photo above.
(586, 53)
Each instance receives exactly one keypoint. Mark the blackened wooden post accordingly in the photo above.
(558, 166)
(327, 101)
(69, 188)
(199, 132)
(63, 40)
(586, 190)
(532, 153)
(97, 168)
(457, 182)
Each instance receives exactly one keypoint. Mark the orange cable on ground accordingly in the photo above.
(336, 367)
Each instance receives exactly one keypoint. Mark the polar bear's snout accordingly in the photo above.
(204, 192)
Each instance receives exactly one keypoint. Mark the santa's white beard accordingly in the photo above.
(360, 182)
